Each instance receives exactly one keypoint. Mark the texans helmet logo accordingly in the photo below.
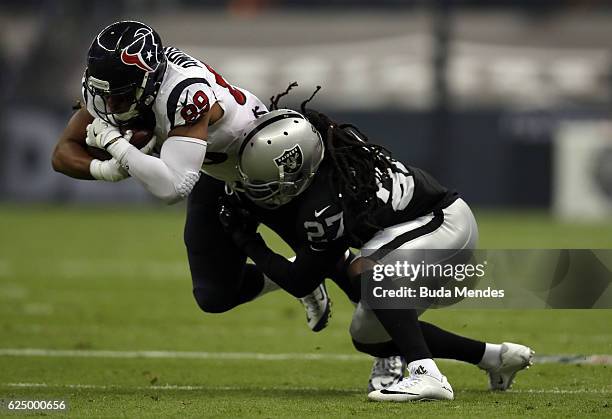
(291, 159)
(142, 52)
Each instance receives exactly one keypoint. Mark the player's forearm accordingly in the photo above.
(298, 278)
(71, 159)
(172, 176)
(159, 179)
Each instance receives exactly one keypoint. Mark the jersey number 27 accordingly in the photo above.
(319, 233)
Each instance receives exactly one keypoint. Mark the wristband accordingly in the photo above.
(118, 148)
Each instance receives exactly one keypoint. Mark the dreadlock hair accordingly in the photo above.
(359, 167)
(274, 99)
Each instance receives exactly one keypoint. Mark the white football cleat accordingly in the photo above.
(513, 358)
(414, 388)
(386, 372)
(318, 308)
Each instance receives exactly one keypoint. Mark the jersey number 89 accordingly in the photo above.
(193, 111)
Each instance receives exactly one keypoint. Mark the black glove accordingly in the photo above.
(237, 221)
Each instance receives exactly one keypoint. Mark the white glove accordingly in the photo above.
(111, 170)
(101, 134)
(148, 148)
(108, 170)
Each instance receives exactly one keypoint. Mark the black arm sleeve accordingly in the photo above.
(298, 278)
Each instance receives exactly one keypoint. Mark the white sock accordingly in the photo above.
(491, 357)
(268, 286)
(425, 366)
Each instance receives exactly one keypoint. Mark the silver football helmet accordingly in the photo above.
(279, 154)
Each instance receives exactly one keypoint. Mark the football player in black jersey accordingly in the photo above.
(324, 189)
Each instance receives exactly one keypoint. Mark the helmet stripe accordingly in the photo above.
(263, 125)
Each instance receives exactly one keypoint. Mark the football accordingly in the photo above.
(140, 138)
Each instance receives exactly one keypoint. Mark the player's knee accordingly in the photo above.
(366, 328)
(379, 350)
(211, 302)
(369, 336)
(358, 266)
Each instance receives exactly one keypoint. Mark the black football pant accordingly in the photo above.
(452, 227)
(221, 277)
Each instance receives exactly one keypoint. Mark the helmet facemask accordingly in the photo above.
(275, 193)
(116, 106)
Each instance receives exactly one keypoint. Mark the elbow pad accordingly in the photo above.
(184, 156)
(186, 184)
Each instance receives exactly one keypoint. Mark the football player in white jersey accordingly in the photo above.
(131, 81)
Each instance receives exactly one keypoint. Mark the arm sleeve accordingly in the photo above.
(300, 277)
(172, 176)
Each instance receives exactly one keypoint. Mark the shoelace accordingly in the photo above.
(408, 382)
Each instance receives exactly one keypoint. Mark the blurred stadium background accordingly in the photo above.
(507, 101)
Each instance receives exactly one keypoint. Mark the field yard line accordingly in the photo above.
(560, 391)
(104, 268)
(257, 356)
(171, 387)
(96, 268)
(251, 356)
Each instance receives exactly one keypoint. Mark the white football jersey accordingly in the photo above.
(189, 89)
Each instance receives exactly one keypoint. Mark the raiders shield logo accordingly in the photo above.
(291, 160)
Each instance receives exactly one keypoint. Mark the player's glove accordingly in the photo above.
(237, 221)
(150, 146)
(107, 170)
(111, 170)
(101, 134)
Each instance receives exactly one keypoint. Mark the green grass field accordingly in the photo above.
(85, 280)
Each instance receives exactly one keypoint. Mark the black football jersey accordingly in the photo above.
(315, 225)
(316, 218)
